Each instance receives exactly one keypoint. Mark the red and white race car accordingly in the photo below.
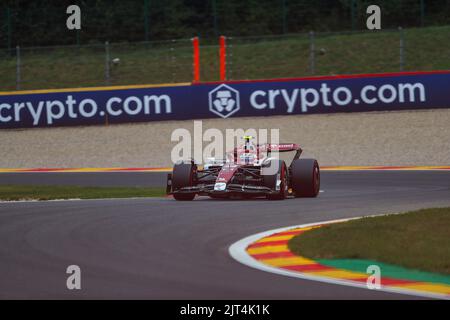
(248, 171)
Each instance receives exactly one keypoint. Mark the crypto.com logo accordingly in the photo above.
(224, 101)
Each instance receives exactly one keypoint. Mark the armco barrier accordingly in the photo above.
(331, 94)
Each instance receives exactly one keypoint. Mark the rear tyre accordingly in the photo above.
(184, 175)
(270, 180)
(305, 175)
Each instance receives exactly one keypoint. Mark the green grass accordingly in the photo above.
(418, 240)
(28, 192)
(248, 58)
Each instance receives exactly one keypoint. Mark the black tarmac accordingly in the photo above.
(158, 248)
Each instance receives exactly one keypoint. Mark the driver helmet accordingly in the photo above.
(248, 145)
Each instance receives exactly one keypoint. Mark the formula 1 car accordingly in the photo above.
(248, 171)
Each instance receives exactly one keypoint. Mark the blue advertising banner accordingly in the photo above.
(382, 92)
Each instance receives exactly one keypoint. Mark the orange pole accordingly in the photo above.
(222, 54)
(196, 64)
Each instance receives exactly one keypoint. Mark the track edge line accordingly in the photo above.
(238, 252)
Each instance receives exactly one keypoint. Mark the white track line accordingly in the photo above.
(238, 251)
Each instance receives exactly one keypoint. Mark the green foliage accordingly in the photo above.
(247, 58)
(417, 239)
(28, 192)
(41, 23)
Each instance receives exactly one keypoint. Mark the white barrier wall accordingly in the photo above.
(375, 138)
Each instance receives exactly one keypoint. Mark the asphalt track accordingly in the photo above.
(164, 249)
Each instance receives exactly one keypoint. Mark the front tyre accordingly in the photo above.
(184, 196)
(305, 175)
(277, 181)
(183, 175)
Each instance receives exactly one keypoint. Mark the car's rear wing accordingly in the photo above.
(281, 147)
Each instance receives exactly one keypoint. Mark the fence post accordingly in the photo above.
(353, 13)
(173, 61)
(422, 13)
(107, 63)
(18, 68)
(146, 19)
(230, 58)
(196, 62)
(223, 57)
(402, 49)
(77, 36)
(8, 27)
(312, 50)
(214, 9)
(283, 15)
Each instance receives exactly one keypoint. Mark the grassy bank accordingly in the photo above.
(417, 240)
(248, 58)
(27, 192)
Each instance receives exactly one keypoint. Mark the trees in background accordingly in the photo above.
(33, 23)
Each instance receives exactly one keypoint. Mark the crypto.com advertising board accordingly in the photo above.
(331, 94)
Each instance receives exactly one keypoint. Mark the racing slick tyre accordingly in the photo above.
(270, 180)
(305, 175)
(183, 175)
